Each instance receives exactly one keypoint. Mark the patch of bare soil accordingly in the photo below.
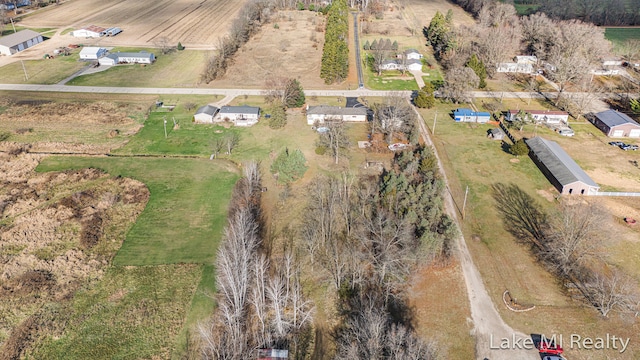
(57, 231)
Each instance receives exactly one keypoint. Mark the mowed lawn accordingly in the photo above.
(186, 212)
(619, 35)
(45, 71)
(176, 69)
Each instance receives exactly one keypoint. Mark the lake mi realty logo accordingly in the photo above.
(573, 341)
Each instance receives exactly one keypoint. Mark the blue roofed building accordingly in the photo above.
(468, 115)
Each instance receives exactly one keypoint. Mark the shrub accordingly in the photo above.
(278, 117)
(180, 47)
(321, 150)
(519, 148)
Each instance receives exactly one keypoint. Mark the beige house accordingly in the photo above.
(325, 113)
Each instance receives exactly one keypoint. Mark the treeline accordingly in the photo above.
(335, 54)
(599, 12)
(570, 243)
(367, 234)
(260, 303)
(248, 22)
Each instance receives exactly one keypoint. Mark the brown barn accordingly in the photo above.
(560, 169)
(616, 124)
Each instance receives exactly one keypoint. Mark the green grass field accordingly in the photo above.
(177, 69)
(44, 71)
(186, 212)
(389, 81)
(619, 35)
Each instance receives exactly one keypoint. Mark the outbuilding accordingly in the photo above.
(109, 60)
(495, 134)
(19, 41)
(92, 53)
(240, 115)
(615, 124)
(468, 115)
(205, 114)
(560, 169)
(90, 31)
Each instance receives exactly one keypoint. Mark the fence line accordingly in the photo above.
(614, 193)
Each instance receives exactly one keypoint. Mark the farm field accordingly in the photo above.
(618, 35)
(478, 162)
(195, 23)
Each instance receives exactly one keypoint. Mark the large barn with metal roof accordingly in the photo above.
(560, 169)
(19, 41)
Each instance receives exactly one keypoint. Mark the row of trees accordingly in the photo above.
(260, 303)
(381, 44)
(335, 54)
(367, 234)
(570, 243)
(248, 22)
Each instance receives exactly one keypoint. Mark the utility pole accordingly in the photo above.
(464, 203)
(433, 130)
(165, 127)
(13, 25)
(26, 76)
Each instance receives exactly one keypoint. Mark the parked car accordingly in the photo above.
(616, 143)
(629, 147)
(549, 347)
(553, 357)
(566, 132)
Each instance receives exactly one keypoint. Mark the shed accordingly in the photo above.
(560, 169)
(240, 115)
(19, 41)
(495, 134)
(325, 113)
(92, 53)
(468, 115)
(90, 31)
(615, 124)
(205, 114)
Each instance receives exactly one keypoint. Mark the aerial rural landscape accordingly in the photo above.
(319, 179)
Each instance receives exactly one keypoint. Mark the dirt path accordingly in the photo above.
(489, 328)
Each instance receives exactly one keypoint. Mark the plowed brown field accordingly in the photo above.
(195, 23)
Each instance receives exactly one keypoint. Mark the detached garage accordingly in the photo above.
(92, 53)
(19, 41)
(616, 124)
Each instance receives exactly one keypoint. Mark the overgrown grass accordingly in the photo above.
(44, 71)
(186, 212)
(177, 69)
(132, 313)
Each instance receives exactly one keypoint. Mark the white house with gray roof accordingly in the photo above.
(19, 41)
(325, 113)
(560, 169)
(128, 58)
(239, 115)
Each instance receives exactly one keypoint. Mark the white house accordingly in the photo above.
(414, 65)
(92, 53)
(19, 41)
(411, 65)
(90, 31)
(389, 65)
(543, 116)
(412, 54)
(205, 114)
(525, 59)
(127, 58)
(239, 115)
(109, 60)
(515, 68)
(325, 113)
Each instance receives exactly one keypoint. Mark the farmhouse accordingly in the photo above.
(240, 115)
(410, 64)
(325, 113)
(205, 114)
(468, 115)
(90, 31)
(92, 53)
(523, 68)
(615, 124)
(559, 168)
(543, 116)
(19, 41)
(128, 58)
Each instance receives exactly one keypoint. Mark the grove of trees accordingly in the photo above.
(335, 54)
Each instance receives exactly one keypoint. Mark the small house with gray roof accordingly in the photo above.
(19, 41)
(205, 114)
(560, 169)
(240, 115)
(325, 113)
(615, 124)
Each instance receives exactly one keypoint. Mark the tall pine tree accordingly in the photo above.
(478, 67)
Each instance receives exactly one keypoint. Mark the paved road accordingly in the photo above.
(358, 59)
(489, 328)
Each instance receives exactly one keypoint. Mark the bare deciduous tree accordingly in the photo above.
(612, 290)
(392, 116)
(458, 82)
(335, 139)
(231, 141)
(164, 44)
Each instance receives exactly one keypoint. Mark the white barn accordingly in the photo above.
(90, 31)
(92, 53)
(240, 115)
(205, 114)
(19, 41)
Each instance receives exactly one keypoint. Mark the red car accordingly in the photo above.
(549, 347)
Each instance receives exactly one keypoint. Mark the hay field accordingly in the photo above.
(195, 23)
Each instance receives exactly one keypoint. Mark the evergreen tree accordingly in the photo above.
(424, 100)
(298, 98)
(374, 45)
(635, 105)
(439, 35)
(394, 46)
(278, 117)
(387, 44)
(335, 54)
(289, 166)
(519, 148)
(478, 67)
(367, 46)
